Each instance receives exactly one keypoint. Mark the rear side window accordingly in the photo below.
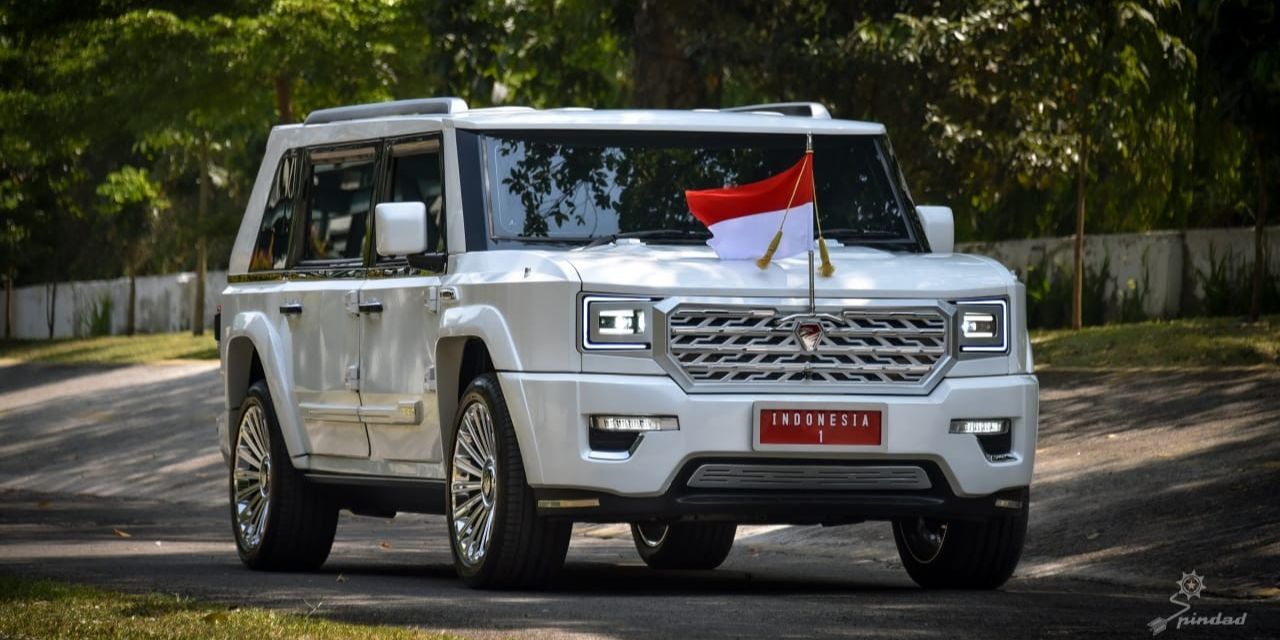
(340, 190)
(271, 249)
(416, 176)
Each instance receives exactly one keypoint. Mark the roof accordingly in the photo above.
(802, 117)
(660, 120)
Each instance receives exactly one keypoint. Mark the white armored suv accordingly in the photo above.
(511, 317)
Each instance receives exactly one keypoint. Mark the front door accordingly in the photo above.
(397, 390)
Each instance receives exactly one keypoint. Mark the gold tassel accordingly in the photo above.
(827, 268)
(765, 259)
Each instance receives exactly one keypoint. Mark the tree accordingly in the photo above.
(1244, 54)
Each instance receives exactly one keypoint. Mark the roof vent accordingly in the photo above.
(418, 107)
(802, 109)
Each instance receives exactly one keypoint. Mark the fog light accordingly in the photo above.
(634, 424)
(982, 427)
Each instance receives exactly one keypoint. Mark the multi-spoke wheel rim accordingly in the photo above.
(652, 535)
(924, 538)
(473, 491)
(251, 477)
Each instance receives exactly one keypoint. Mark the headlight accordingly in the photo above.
(613, 323)
(984, 325)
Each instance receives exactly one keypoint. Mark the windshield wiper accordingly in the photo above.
(652, 234)
(863, 234)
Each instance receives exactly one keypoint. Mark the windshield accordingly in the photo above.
(576, 186)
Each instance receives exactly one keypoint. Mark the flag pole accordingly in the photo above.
(828, 269)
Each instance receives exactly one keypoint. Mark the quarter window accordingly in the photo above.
(341, 189)
(271, 249)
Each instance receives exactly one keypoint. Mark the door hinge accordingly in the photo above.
(429, 380)
(351, 379)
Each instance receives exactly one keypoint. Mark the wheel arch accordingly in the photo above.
(254, 352)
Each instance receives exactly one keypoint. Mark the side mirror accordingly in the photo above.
(400, 228)
(939, 228)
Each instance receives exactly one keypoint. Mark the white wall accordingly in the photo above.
(1168, 260)
(164, 305)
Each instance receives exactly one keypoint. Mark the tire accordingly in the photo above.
(684, 545)
(289, 526)
(497, 539)
(962, 554)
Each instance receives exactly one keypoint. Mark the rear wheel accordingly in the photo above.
(498, 540)
(281, 523)
(961, 554)
(684, 545)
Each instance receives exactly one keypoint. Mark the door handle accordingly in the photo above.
(291, 308)
(372, 306)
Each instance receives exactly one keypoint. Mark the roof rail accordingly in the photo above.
(420, 106)
(803, 109)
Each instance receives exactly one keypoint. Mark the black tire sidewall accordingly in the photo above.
(480, 391)
(258, 395)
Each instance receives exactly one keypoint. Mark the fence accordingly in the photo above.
(164, 304)
(1162, 274)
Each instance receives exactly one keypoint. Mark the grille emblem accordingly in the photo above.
(809, 334)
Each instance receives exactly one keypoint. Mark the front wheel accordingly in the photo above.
(684, 545)
(498, 541)
(961, 554)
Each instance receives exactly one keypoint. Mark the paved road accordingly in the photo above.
(1139, 477)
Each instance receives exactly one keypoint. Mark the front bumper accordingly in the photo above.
(550, 413)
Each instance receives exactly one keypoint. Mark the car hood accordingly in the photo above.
(860, 272)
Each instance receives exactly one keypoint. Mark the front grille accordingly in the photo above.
(775, 476)
(735, 345)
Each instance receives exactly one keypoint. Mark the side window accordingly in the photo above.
(271, 249)
(417, 175)
(340, 189)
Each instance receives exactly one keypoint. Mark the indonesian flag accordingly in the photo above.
(743, 220)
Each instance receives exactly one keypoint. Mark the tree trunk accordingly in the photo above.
(1259, 231)
(1077, 285)
(51, 308)
(130, 317)
(665, 74)
(284, 97)
(202, 256)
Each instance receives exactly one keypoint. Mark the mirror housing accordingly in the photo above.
(400, 228)
(939, 228)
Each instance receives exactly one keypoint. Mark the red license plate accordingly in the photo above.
(820, 426)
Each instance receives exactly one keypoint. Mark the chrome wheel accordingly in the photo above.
(473, 490)
(251, 479)
(924, 538)
(652, 535)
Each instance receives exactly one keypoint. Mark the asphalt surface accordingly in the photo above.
(112, 477)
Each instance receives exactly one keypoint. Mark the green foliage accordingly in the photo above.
(1192, 342)
(1049, 289)
(98, 322)
(1226, 286)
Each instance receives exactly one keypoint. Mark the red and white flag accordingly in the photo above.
(743, 220)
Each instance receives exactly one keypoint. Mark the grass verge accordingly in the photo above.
(1190, 342)
(112, 349)
(45, 609)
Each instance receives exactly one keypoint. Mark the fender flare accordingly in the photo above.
(250, 332)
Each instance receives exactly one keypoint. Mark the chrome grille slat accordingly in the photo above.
(833, 477)
(862, 347)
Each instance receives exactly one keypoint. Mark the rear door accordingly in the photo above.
(397, 389)
(321, 298)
